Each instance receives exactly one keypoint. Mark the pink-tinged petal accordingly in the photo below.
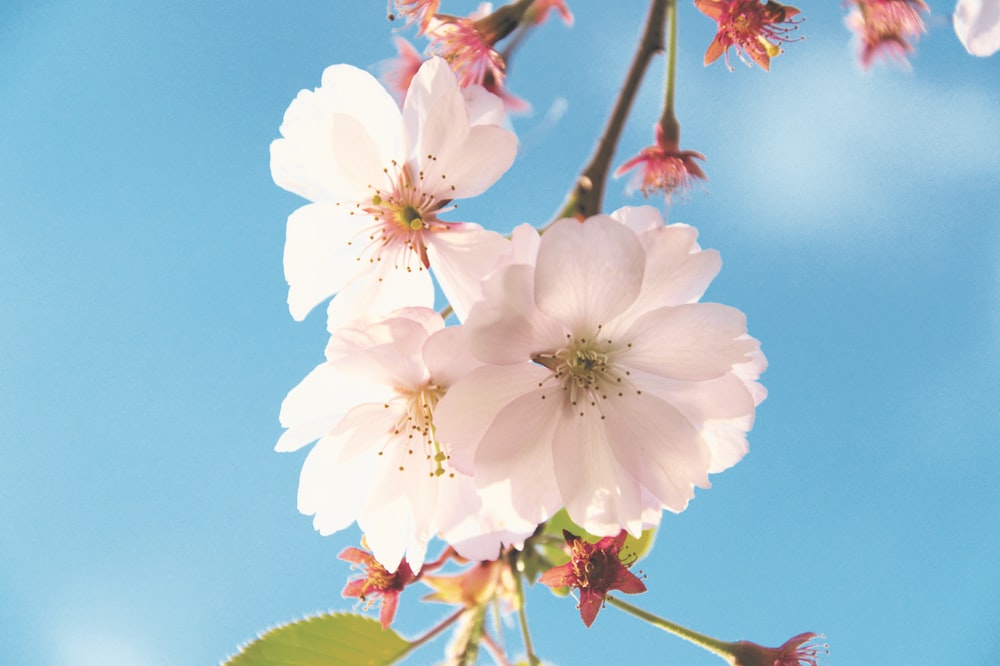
(379, 293)
(727, 441)
(977, 24)
(599, 494)
(471, 405)
(317, 254)
(461, 258)
(677, 270)
(561, 576)
(304, 160)
(473, 165)
(588, 273)
(629, 583)
(654, 442)
(692, 342)
(448, 356)
(479, 524)
(505, 326)
(516, 451)
(385, 353)
(639, 219)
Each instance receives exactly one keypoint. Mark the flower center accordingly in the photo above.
(416, 423)
(402, 212)
(586, 371)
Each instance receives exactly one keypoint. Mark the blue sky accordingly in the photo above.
(146, 346)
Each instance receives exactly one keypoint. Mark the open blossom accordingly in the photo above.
(594, 569)
(753, 29)
(886, 28)
(606, 388)
(378, 180)
(663, 167)
(977, 24)
(377, 584)
(378, 461)
(801, 650)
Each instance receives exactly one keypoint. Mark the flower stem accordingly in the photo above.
(586, 197)
(447, 622)
(668, 120)
(713, 645)
(523, 617)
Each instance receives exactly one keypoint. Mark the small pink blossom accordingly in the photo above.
(663, 167)
(886, 28)
(753, 29)
(538, 13)
(594, 569)
(420, 12)
(398, 73)
(377, 583)
(469, 51)
(799, 650)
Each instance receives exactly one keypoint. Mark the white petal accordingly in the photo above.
(460, 259)
(469, 167)
(333, 489)
(379, 293)
(977, 24)
(312, 408)
(317, 255)
(304, 161)
(385, 353)
(483, 107)
(588, 273)
(434, 115)
(692, 342)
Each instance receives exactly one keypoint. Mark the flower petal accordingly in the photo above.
(379, 293)
(692, 342)
(316, 255)
(588, 273)
(977, 24)
(461, 258)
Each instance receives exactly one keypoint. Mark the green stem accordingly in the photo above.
(586, 197)
(713, 645)
(668, 120)
(523, 618)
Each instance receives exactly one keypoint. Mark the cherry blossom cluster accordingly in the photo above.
(571, 385)
(582, 372)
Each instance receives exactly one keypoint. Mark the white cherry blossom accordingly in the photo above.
(377, 461)
(606, 387)
(378, 179)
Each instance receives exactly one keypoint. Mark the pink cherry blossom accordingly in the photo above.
(801, 650)
(378, 461)
(977, 24)
(594, 569)
(886, 28)
(379, 181)
(377, 584)
(606, 388)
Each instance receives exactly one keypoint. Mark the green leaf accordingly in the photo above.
(338, 639)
